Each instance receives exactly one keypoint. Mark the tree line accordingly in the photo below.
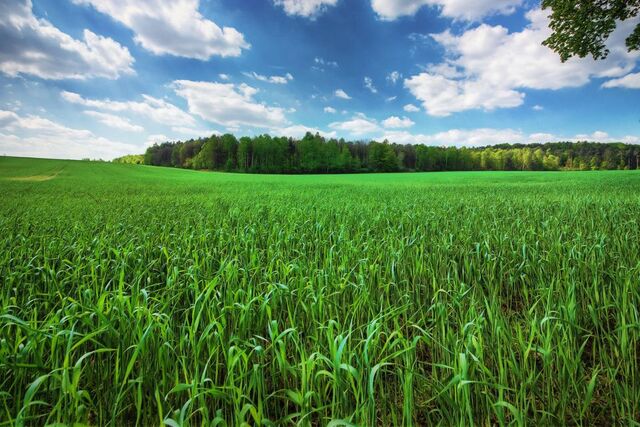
(130, 159)
(315, 154)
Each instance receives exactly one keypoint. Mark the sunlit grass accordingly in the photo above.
(140, 295)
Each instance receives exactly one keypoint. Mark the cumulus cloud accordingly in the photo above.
(410, 108)
(487, 67)
(228, 104)
(305, 8)
(466, 10)
(330, 110)
(270, 79)
(172, 27)
(358, 125)
(194, 133)
(446, 70)
(368, 83)
(541, 137)
(631, 139)
(489, 136)
(598, 136)
(35, 136)
(299, 131)
(158, 110)
(441, 96)
(179, 133)
(341, 94)
(158, 138)
(395, 122)
(601, 136)
(34, 46)
(114, 121)
(458, 137)
(630, 81)
(538, 108)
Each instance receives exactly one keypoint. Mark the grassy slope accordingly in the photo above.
(485, 296)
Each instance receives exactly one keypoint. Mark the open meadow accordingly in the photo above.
(146, 295)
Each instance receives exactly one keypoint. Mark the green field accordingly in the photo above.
(145, 295)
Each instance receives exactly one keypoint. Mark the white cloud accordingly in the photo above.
(542, 137)
(599, 136)
(602, 136)
(458, 137)
(487, 67)
(306, 8)
(194, 133)
(441, 96)
(228, 105)
(595, 136)
(34, 46)
(157, 139)
(185, 133)
(35, 136)
(419, 37)
(358, 125)
(114, 121)
(287, 77)
(630, 81)
(395, 122)
(173, 27)
(391, 98)
(394, 76)
(330, 110)
(299, 131)
(321, 63)
(271, 79)
(538, 108)
(631, 139)
(341, 94)
(446, 70)
(368, 83)
(489, 136)
(410, 108)
(158, 110)
(457, 9)
(224, 76)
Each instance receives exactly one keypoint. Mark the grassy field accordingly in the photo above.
(142, 295)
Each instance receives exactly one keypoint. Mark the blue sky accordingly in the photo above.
(102, 78)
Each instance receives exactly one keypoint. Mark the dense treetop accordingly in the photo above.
(315, 154)
(582, 27)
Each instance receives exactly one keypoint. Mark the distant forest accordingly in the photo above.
(315, 154)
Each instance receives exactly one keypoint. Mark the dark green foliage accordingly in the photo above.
(229, 152)
(582, 27)
(314, 154)
(382, 157)
(161, 154)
